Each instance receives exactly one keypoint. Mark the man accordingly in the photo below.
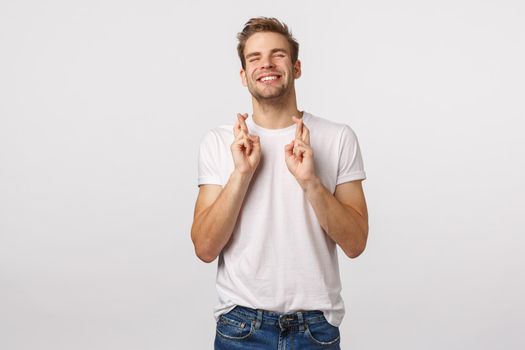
(277, 193)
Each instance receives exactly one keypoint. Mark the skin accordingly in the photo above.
(273, 104)
(343, 215)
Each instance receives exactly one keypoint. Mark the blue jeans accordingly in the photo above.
(248, 329)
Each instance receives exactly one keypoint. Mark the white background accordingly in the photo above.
(103, 105)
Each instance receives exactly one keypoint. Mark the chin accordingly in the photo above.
(270, 94)
(270, 99)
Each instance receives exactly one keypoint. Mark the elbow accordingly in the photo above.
(356, 250)
(205, 256)
(203, 252)
(354, 253)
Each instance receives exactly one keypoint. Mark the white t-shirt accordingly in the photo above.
(279, 258)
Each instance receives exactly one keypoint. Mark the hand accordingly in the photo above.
(299, 155)
(246, 148)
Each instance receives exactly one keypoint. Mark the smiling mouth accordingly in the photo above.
(269, 79)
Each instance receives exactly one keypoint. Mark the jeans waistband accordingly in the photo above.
(283, 320)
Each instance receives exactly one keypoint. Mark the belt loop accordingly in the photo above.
(259, 319)
(301, 321)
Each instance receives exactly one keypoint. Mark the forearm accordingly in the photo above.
(213, 227)
(342, 223)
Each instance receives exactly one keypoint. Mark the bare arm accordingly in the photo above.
(342, 215)
(217, 208)
(216, 213)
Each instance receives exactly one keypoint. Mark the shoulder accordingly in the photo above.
(218, 134)
(326, 127)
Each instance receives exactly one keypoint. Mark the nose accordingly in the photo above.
(267, 63)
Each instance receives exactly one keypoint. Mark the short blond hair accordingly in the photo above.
(266, 24)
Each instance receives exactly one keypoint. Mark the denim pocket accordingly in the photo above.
(234, 327)
(322, 333)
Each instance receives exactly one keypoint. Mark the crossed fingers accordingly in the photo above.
(242, 135)
(240, 127)
(301, 143)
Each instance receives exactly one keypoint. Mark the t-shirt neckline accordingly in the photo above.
(273, 132)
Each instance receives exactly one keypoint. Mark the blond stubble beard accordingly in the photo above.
(277, 99)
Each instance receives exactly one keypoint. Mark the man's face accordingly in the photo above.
(269, 73)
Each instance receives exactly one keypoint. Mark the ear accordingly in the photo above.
(243, 77)
(297, 69)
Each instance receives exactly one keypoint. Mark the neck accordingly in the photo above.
(275, 114)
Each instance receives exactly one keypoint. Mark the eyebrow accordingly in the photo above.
(272, 51)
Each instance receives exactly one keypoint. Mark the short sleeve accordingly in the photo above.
(208, 163)
(350, 160)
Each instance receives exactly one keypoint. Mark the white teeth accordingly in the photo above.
(272, 77)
